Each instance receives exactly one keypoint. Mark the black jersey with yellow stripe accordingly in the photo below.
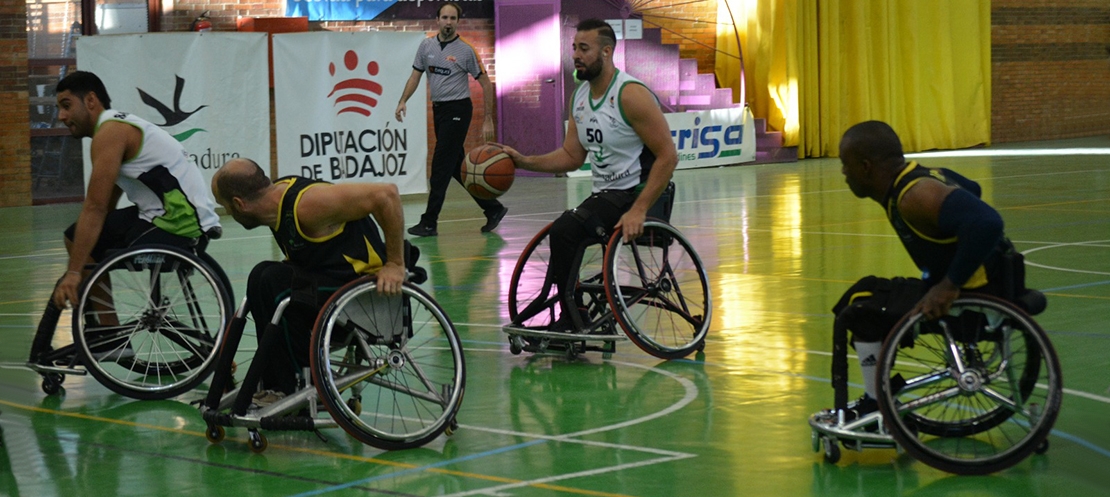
(355, 249)
(932, 255)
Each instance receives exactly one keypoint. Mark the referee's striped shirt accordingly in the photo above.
(447, 64)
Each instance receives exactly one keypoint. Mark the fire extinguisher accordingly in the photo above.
(201, 23)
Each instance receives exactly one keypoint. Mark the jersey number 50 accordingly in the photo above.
(593, 135)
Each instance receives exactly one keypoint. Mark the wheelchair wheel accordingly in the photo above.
(150, 320)
(659, 291)
(982, 386)
(533, 301)
(389, 368)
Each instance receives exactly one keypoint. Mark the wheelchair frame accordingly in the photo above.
(983, 391)
(636, 282)
(173, 305)
(396, 343)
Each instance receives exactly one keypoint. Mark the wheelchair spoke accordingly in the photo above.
(930, 399)
(1001, 399)
(925, 381)
(953, 349)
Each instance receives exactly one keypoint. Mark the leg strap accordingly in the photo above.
(840, 363)
(45, 332)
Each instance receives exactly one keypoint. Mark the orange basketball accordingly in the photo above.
(488, 172)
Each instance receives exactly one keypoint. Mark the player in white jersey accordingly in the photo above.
(616, 122)
(129, 155)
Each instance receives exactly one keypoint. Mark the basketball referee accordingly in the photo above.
(448, 59)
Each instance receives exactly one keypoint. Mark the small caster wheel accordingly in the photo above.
(256, 441)
(832, 451)
(515, 345)
(52, 383)
(572, 352)
(701, 347)
(355, 406)
(215, 434)
(452, 427)
(1042, 448)
(816, 440)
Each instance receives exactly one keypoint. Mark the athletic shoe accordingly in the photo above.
(423, 230)
(492, 220)
(266, 397)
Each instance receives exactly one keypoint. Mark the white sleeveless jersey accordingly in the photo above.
(169, 191)
(618, 157)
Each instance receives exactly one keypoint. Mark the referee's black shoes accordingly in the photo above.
(492, 220)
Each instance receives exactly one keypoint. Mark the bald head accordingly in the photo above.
(872, 141)
(239, 178)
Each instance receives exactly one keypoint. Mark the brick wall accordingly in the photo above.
(1050, 64)
(15, 128)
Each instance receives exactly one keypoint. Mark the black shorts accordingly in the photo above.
(123, 228)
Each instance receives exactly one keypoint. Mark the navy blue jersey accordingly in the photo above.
(932, 255)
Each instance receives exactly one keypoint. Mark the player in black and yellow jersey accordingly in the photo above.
(952, 235)
(329, 237)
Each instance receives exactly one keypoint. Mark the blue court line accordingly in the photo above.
(1080, 441)
(424, 468)
(1072, 287)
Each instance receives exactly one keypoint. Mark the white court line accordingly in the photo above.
(1013, 152)
(592, 472)
(691, 393)
(1092, 243)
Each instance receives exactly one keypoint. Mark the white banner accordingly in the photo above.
(335, 93)
(208, 90)
(709, 138)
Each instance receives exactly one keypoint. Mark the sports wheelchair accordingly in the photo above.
(146, 325)
(971, 393)
(388, 369)
(654, 288)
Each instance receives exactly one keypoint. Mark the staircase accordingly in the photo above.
(768, 146)
(681, 88)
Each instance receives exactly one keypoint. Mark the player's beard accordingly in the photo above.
(590, 72)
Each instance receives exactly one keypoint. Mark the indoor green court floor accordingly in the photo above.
(781, 243)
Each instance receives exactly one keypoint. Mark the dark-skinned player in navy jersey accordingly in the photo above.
(953, 236)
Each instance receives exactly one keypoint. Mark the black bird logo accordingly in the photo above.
(172, 116)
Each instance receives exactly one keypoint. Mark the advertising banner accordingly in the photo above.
(709, 138)
(382, 10)
(208, 90)
(334, 97)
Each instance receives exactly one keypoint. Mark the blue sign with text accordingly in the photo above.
(369, 10)
(337, 10)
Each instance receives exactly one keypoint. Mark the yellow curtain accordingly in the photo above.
(815, 68)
